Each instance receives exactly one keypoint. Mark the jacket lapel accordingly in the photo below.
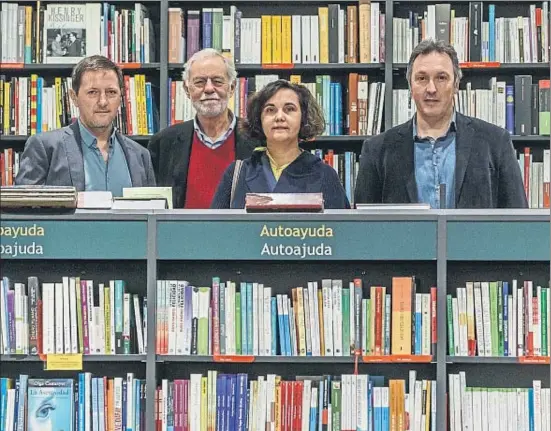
(255, 178)
(72, 142)
(181, 154)
(463, 144)
(132, 161)
(402, 159)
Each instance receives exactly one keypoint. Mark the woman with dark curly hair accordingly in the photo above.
(281, 115)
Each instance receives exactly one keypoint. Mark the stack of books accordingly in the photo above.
(14, 197)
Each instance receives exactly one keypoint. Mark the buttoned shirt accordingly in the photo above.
(214, 143)
(100, 174)
(434, 166)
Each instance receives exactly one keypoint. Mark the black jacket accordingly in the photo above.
(306, 174)
(487, 174)
(170, 153)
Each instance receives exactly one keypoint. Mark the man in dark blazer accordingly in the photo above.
(440, 156)
(192, 156)
(90, 154)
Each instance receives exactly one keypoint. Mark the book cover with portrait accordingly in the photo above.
(50, 405)
(71, 32)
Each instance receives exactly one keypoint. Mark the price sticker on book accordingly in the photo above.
(67, 362)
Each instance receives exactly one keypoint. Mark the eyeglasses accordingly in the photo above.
(201, 82)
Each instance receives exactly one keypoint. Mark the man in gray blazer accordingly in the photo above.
(90, 154)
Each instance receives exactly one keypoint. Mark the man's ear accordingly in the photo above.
(186, 89)
(73, 97)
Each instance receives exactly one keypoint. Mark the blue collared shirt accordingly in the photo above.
(100, 175)
(435, 165)
(214, 144)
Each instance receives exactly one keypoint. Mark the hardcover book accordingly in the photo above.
(284, 202)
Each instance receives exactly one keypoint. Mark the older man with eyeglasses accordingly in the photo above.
(192, 156)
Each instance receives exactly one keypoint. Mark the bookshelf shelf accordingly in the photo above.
(505, 67)
(330, 139)
(313, 68)
(263, 359)
(17, 139)
(40, 67)
(497, 360)
(537, 140)
(85, 358)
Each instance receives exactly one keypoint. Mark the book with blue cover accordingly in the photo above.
(50, 405)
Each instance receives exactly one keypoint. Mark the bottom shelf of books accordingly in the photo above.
(241, 401)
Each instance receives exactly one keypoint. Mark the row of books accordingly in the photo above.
(346, 164)
(71, 316)
(518, 39)
(535, 174)
(355, 34)
(220, 401)
(498, 318)
(523, 108)
(66, 33)
(322, 319)
(86, 403)
(308, 403)
(508, 409)
(536, 178)
(352, 106)
(28, 105)
(364, 99)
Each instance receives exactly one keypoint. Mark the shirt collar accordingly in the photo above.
(205, 139)
(89, 139)
(451, 128)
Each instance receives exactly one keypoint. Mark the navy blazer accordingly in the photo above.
(487, 174)
(306, 174)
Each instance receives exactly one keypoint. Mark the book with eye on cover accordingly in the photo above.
(284, 202)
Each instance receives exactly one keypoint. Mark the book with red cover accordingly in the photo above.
(284, 202)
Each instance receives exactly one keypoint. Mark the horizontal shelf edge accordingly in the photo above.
(323, 140)
(15, 67)
(522, 360)
(293, 359)
(85, 358)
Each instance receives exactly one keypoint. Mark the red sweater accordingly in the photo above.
(206, 167)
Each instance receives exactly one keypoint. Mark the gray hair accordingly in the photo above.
(430, 45)
(209, 53)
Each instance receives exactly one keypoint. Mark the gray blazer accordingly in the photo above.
(55, 159)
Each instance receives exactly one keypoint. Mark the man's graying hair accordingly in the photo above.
(209, 53)
(428, 46)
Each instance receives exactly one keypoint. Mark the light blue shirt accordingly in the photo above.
(100, 175)
(214, 143)
(435, 165)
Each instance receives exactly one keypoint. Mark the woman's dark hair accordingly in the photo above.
(312, 123)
